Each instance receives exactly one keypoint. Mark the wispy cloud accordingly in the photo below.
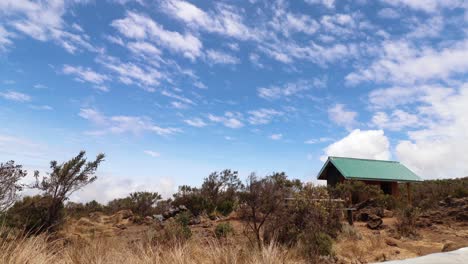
(276, 136)
(84, 74)
(263, 116)
(339, 115)
(124, 124)
(15, 96)
(230, 119)
(196, 122)
(153, 154)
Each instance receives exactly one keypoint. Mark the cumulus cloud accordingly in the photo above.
(340, 116)
(396, 121)
(108, 187)
(224, 19)
(141, 27)
(438, 149)
(123, 124)
(367, 144)
(326, 3)
(404, 63)
(43, 21)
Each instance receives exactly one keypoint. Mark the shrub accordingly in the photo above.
(315, 244)
(175, 231)
(406, 221)
(225, 207)
(31, 214)
(223, 230)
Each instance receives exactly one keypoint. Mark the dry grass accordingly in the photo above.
(41, 249)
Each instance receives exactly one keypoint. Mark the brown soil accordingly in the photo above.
(365, 246)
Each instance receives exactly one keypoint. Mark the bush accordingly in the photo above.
(225, 207)
(315, 244)
(31, 214)
(175, 231)
(223, 230)
(406, 221)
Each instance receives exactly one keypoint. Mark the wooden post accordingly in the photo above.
(350, 216)
(408, 189)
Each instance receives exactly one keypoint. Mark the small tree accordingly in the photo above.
(65, 179)
(219, 187)
(260, 199)
(143, 202)
(10, 175)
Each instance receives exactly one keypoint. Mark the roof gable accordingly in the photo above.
(367, 169)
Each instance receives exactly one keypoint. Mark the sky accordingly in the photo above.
(171, 90)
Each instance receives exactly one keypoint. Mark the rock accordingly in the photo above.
(451, 246)
(391, 242)
(388, 213)
(182, 207)
(374, 221)
(121, 226)
(195, 220)
(148, 220)
(125, 214)
(159, 217)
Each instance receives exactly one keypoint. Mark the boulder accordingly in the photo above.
(451, 246)
(387, 213)
(374, 221)
(195, 220)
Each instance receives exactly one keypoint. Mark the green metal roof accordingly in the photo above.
(367, 169)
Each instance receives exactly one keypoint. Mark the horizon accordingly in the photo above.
(172, 90)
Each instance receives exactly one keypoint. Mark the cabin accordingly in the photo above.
(383, 173)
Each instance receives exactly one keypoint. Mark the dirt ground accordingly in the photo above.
(383, 245)
(363, 246)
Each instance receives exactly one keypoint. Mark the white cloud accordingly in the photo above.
(339, 115)
(143, 47)
(84, 74)
(398, 120)
(276, 136)
(129, 73)
(287, 90)
(388, 13)
(230, 119)
(326, 3)
(218, 57)
(196, 122)
(224, 20)
(41, 107)
(5, 40)
(426, 5)
(319, 140)
(43, 21)
(393, 96)
(368, 144)
(123, 124)
(15, 96)
(108, 187)
(141, 27)
(262, 116)
(438, 149)
(153, 154)
(179, 105)
(405, 63)
(178, 97)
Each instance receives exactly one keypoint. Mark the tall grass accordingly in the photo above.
(42, 249)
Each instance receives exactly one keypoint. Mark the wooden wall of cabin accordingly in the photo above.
(333, 176)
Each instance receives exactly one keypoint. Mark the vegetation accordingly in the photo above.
(279, 214)
(223, 230)
(10, 175)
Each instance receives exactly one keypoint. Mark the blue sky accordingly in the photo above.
(172, 90)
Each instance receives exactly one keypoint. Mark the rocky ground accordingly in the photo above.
(373, 237)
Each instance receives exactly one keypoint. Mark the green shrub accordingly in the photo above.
(223, 229)
(316, 244)
(225, 207)
(174, 232)
(31, 214)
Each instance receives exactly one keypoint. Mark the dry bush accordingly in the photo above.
(406, 221)
(41, 249)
